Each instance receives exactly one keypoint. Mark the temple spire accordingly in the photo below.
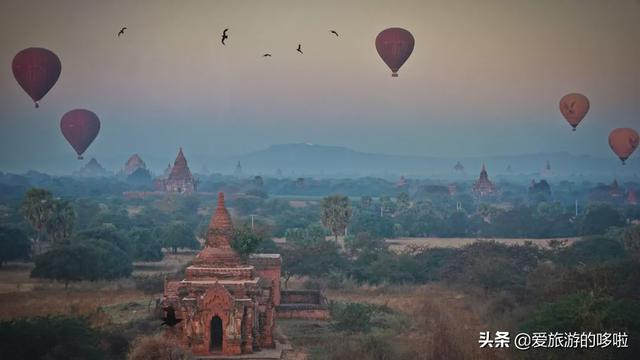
(221, 228)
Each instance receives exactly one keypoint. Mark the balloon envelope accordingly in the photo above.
(36, 70)
(394, 46)
(80, 127)
(574, 108)
(623, 142)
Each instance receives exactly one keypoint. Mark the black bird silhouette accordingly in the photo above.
(334, 32)
(224, 36)
(265, 55)
(121, 32)
(300, 49)
(170, 319)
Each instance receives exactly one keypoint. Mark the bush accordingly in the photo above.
(91, 260)
(350, 317)
(592, 250)
(50, 338)
(588, 312)
(493, 267)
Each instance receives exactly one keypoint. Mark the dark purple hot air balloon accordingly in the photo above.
(36, 70)
(394, 46)
(80, 127)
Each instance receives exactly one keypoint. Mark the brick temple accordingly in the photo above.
(484, 186)
(227, 302)
(179, 178)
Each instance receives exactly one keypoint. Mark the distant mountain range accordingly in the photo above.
(335, 161)
(321, 161)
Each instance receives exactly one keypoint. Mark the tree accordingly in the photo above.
(145, 246)
(108, 233)
(336, 213)
(365, 202)
(304, 236)
(631, 241)
(61, 220)
(90, 260)
(86, 211)
(311, 260)
(402, 202)
(179, 235)
(372, 223)
(36, 208)
(245, 241)
(14, 244)
(599, 218)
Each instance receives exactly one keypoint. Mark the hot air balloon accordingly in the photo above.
(80, 127)
(574, 107)
(394, 46)
(623, 142)
(36, 70)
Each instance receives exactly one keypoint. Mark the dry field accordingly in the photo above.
(436, 322)
(22, 296)
(400, 244)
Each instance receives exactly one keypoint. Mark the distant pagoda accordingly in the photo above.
(92, 169)
(133, 163)
(483, 186)
(402, 182)
(632, 198)
(238, 171)
(614, 189)
(180, 179)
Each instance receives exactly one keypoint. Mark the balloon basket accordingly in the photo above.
(80, 158)
(394, 75)
(37, 105)
(574, 129)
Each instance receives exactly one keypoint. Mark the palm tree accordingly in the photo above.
(61, 221)
(36, 208)
(336, 213)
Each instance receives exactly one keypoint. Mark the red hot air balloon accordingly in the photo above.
(574, 107)
(80, 127)
(623, 142)
(36, 70)
(394, 46)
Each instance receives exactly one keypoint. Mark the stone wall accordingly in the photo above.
(301, 297)
(302, 304)
(267, 266)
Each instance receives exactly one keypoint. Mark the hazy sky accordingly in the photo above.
(485, 76)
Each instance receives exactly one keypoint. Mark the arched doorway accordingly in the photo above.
(215, 343)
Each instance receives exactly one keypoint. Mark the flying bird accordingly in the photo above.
(224, 36)
(266, 55)
(334, 32)
(170, 319)
(121, 32)
(300, 49)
